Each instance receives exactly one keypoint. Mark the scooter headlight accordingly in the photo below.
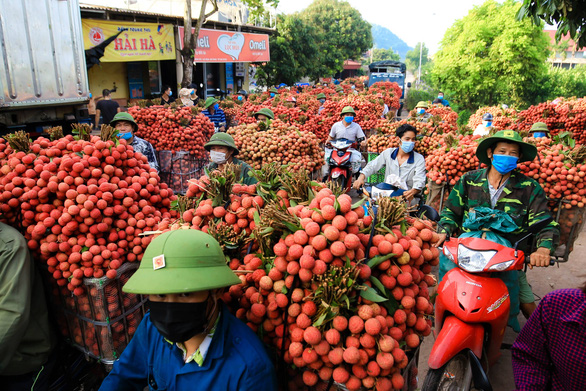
(499, 267)
(448, 254)
(474, 261)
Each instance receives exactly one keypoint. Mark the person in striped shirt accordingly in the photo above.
(215, 114)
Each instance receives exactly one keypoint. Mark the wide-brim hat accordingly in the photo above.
(124, 116)
(266, 112)
(348, 110)
(528, 151)
(223, 140)
(210, 101)
(274, 90)
(422, 104)
(539, 127)
(181, 261)
(321, 95)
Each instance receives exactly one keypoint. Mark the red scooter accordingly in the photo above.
(340, 164)
(471, 312)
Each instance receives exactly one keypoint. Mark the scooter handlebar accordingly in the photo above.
(551, 261)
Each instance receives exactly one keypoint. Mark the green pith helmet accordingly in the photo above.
(222, 139)
(210, 101)
(321, 95)
(266, 112)
(528, 151)
(348, 110)
(180, 261)
(124, 116)
(339, 89)
(273, 89)
(539, 127)
(422, 104)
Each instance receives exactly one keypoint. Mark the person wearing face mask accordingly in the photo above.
(349, 130)
(539, 129)
(321, 97)
(189, 340)
(502, 187)
(442, 100)
(273, 92)
(126, 126)
(187, 96)
(485, 128)
(291, 102)
(241, 96)
(402, 162)
(264, 115)
(215, 114)
(223, 150)
(421, 113)
(167, 97)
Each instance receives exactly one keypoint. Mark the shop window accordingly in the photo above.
(154, 77)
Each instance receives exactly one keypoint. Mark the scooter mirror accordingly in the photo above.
(534, 229)
(428, 212)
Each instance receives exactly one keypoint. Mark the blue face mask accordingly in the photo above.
(240, 97)
(488, 124)
(440, 97)
(349, 119)
(125, 136)
(322, 101)
(504, 163)
(538, 134)
(170, 93)
(216, 106)
(407, 146)
(272, 94)
(420, 111)
(90, 94)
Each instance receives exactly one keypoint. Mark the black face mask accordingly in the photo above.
(179, 322)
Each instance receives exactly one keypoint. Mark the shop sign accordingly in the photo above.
(138, 41)
(229, 46)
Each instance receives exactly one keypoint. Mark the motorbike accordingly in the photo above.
(340, 164)
(471, 312)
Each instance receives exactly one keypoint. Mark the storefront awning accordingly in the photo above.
(229, 46)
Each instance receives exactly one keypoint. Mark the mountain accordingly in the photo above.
(384, 39)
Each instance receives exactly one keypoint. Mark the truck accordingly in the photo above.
(43, 75)
(388, 70)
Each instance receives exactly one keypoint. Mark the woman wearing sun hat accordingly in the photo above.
(501, 186)
(189, 340)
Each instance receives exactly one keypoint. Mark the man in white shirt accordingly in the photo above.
(485, 127)
(402, 162)
(351, 131)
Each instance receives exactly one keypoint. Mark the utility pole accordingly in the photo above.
(420, 56)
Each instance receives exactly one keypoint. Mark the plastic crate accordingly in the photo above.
(101, 322)
(177, 168)
(379, 177)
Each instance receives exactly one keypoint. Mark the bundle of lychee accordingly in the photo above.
(174, 129)
(330, 306)
(281, 143)
(502, 118)
(455, 156)
(82, 204)
(390, 91)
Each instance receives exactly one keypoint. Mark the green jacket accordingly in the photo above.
(244, 177)
(26, 339)
(522, 198)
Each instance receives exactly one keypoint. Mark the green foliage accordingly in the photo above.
(342, 34)
(568, 15)
(385, 54)
(463, 117)
(415, 95)
(488, 57)
(558, 82)
(294, 52)
(412, 58)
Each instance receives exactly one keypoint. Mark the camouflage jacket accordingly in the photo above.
(522, 198)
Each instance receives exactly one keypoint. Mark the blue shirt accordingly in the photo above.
(236, 360)
(217, 118)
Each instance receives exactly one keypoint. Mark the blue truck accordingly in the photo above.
(393, 71)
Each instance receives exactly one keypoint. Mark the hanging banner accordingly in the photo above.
(229, 46)
(136, 41)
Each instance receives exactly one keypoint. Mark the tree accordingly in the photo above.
(256, 7)
(342, 34)
(412, 57)
(568, 15)
(489, 57)
(385, 54)
(294, 51)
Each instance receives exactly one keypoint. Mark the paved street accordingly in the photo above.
(567, 275)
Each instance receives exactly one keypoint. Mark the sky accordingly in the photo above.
(412, 21)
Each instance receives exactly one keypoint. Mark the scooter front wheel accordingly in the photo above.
(455, 375)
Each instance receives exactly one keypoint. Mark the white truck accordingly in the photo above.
(43, 76)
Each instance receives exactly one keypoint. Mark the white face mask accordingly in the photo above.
(217, 157)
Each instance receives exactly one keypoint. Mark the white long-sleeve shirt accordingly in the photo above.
(412, 171)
